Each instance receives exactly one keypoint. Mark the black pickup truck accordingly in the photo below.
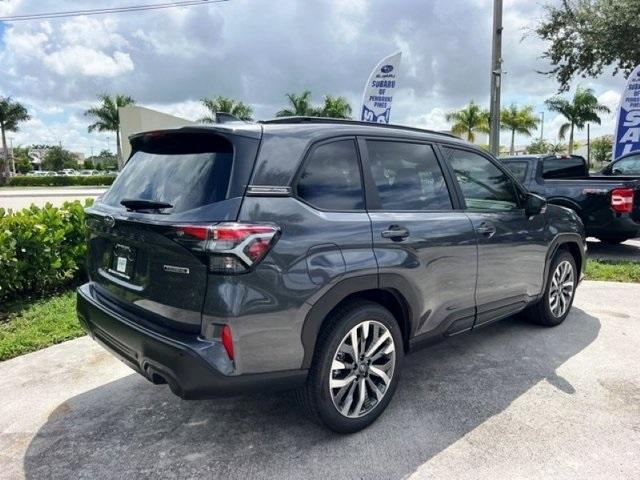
(608, 206)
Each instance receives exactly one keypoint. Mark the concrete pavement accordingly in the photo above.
(511, 400)
(16, 198)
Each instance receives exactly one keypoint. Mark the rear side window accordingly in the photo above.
(187, 178)
(407, 176)
(519, 169)
(571, 167)
(331, 179)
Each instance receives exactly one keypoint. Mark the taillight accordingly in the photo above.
(227, 341)
(231, 247)
(622, 200)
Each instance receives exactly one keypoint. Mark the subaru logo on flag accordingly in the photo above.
(379, 90)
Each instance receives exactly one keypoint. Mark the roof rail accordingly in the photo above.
(292, 120)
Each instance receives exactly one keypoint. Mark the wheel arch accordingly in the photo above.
(571, 242)
(349, 291)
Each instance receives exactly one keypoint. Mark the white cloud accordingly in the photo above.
(80, 60)
(168, 59)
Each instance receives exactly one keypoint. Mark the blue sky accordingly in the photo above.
(257, 50)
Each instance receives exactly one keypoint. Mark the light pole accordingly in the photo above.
(496, 77)
(542, 126)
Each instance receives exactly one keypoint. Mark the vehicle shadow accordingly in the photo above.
(629, 250)
(130, 428)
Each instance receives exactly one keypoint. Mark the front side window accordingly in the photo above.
(331, 179)
(628, 166)
(407, 176)
(484, 186)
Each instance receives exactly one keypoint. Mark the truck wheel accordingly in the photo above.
(560, 289)
(612, 240)
(355, 369)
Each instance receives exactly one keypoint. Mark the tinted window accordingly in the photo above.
(185, 180)
(331, 177)
(564, 167)
(484, 186)
(519, 169)
(628, 166)
(408, 176)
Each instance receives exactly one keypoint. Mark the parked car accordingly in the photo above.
(89, 173)
(313, 254)
(608, 206)
(625, 165)
(67, 172)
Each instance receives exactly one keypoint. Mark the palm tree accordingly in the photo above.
(336, 107)
(225, 105)
(469, 121)
(107, 118)
(582, 109)
(300, 106)
(11, 114)
(516, 120)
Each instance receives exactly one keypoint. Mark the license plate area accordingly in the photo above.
(123, 261)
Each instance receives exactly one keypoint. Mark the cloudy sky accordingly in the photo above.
(257, 50)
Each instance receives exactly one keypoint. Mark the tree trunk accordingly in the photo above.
(512, 150)
(570, 149)
(119, 149)
(5, 151)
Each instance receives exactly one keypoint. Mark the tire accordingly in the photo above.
(545, 311)
(612, 240)
(334, 343)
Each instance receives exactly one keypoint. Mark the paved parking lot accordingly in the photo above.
(509, 401)
(629, 250)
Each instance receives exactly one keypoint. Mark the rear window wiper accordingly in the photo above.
(141, 204)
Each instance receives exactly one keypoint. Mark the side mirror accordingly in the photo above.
(534, 204)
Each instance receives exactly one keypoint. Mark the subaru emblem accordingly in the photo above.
(109, 221)
(387, 69)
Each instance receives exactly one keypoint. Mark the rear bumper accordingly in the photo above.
(193, 368)
(619, 226)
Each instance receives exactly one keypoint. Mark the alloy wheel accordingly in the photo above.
(562, 289)
(362, 369)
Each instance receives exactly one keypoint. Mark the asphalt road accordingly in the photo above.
(629, 250)
(511, 400)
(15, 198)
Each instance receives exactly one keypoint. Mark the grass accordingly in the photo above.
(614, 271)
(31, 324)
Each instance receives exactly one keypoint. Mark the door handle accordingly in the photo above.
(486, 228)
(395, 232)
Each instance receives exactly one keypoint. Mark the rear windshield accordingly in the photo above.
(186, 178)
(564, 167)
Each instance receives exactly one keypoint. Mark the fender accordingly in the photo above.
(566, 202)
(343, 289)
(556, 243)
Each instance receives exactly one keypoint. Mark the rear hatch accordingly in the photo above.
(139, 259)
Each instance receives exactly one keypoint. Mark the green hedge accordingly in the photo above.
(41, 248)
(25, 181)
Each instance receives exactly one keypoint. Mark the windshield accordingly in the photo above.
(185, 180)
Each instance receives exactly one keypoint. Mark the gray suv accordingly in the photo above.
(314, 254)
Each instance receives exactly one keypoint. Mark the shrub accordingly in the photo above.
(41, 248)
(60, 181)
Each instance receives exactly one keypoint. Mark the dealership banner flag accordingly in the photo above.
(378, 93)
(627, 137)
